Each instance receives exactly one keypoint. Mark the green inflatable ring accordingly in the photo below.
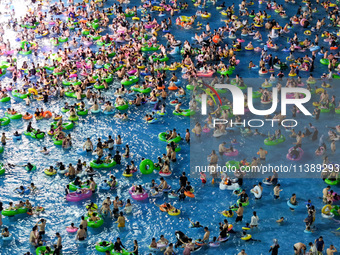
(66, 125)
(72, 94)
(42, 250)
(329, 182)
(324, 61)
(95, 224)
(5, 121)
(257, 94)
(109, 79)
(25, 52)
(129, 14)
(33, 134)
(122, 107)
(14, 212)
(59, 73)
(5, 99)
(243, 204)
(132, 80)
(16, 93)
(146, 166)
(124, 252)
(274, 142)
(335, 210)
(111, 55)
(227, 72)
(99, 86)
(62, 40)
(57, 142)
(83, 113)
(16, 116)
(162, 137)
(73, 118)
(33, 169)
(186, 113)
(103, 165)
(233, 163)
(101, 248)
(190, 87)
(75, 188)
(50, 68)
(144, 91)
(149, 48)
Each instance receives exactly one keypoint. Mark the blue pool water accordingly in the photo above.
(147, 221)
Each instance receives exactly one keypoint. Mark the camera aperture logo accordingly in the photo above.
(238, 105)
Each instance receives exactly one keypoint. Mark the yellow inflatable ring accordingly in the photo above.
(33, 91)
(141, 67)
(307, 32)
(319, 90)
(326, 86)
(292, 74)
(127, 175)
(47, 172)
(316, 103)
(245, 228)
(246, 237)
(135, 18)
(94, 207)
(172, 213)
(326, 209)
(228, 215)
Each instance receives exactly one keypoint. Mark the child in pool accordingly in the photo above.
(44, 151)
(173, 193)
(105, 184)
(228, 213)
(280, 220)
(251, 64)
(16, 133)
(50, 169)
(153, 243)
(94, 217)
(155, 193)
(72, 227)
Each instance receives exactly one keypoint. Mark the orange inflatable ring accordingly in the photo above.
(189, 194)
(216, 39)
(173, 88)
(27, 117)
(47, 114)
(160, 88)
(199, 244)
(163, 208)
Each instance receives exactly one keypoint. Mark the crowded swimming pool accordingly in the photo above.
(49, 37)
